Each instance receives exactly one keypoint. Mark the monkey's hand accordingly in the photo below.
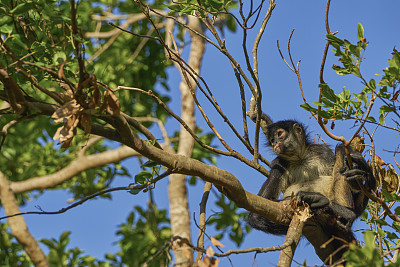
(360, 172)
(264, 117)
(313, 199)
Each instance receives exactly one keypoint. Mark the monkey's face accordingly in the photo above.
(277, 141)
(288, 140)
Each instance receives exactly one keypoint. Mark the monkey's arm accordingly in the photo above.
(265, 121)
(360, 172)
(320, 204)
(313, 199)
(270, 190)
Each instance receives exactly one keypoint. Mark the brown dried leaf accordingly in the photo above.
(86, 122)
(210, 252)
(216, 243)
(208, 262)
(57, 134)
(96, 98)
(395, 95)
(66, 97)
(111, 103)
(91, 80)
(358, 144)
(66, 133)
(60, 73)
(69, 128)
(379, 161)
(114, 107)
(67, 143)
(68, 109)
(204, 263)
(214, 262)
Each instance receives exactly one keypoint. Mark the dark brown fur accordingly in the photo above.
(315, 175)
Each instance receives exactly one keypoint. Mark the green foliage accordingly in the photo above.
(47, 42)
(208, 8)
(12, 253)
(39, 33)
(367, 255)
(59, 255)
(145, 232)
(229, 221)
(350, 104)
(188, 7)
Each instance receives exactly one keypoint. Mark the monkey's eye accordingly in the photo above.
(272, 141)
(280, 132)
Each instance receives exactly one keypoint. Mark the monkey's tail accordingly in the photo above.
(258, 222)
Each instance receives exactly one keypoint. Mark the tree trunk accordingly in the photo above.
(178, 202)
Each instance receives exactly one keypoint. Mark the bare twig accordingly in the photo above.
(136, 189)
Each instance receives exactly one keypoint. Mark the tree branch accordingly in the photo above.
(18, 226)
(75, 167)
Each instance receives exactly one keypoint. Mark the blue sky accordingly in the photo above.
(94, 224)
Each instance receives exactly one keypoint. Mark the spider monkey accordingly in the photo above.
(318, 177)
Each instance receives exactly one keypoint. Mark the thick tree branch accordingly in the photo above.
(293, 235)
(14, 94)
(276, 211)
(74, 168)
(18, 226)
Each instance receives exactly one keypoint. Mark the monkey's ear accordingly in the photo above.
(298, 129)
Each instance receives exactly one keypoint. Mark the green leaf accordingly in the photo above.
(369, 239)
(5, 20)
(134, 191)
(21, 9)
(328, 92)
(142, 177)
(395, 62)
(307, 107)
(64, 236)
(360, 31)
(355, 50)
(372, 84)
(59, 57)
(381, 232)
(390, 197)
(380, 221)
(48, 243)
(6, 28)
(386, 109)
(334, 40)
(18, 40)
(149, 164)
(320, 104)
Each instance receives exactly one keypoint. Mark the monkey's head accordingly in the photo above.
(287, 138)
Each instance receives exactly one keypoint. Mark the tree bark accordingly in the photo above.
(293, 235)
(177, 190)
(18, 226)
(74, 168)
